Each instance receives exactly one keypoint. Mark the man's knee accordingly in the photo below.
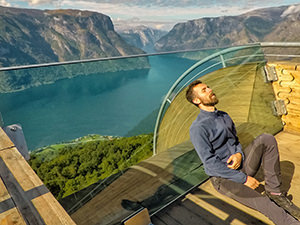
(268, 139)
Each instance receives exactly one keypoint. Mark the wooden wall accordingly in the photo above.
(287, 88)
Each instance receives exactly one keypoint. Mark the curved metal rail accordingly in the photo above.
(170, 95)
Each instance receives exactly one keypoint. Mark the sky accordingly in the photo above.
(161, 14)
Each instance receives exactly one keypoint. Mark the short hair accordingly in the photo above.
(190, 91)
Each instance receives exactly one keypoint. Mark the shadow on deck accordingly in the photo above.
(205, 205)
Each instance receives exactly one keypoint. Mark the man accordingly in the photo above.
(232, 169)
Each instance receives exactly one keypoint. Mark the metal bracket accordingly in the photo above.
(1, 120)
(16, 135)
(270, 73)
(279, 108)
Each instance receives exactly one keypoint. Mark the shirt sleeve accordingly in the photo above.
(238, 144)
(212, 163)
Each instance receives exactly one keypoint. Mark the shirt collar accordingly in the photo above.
(208, 113)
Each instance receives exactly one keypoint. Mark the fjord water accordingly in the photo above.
(105, 104)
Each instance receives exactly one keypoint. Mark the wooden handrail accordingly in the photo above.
(23, 196)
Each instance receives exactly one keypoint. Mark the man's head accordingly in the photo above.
(201, 95)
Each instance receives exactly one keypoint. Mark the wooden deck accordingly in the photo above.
(205, 206)
(24, 199)
(152, 182)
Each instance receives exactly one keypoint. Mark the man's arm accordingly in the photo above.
(237, 143)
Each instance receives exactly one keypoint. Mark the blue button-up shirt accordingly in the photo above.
(213, 135)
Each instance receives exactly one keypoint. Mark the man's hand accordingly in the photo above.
(251, 182)
(234, 161)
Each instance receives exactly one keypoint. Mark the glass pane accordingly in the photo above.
(80, 122)
(90, 125)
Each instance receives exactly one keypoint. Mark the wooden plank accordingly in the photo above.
(166, 220)
(5, 142)
(216, 211)
(51, 211)
(22, 185)
(141, 218)
(4, 195)
(207, 187)
(289, 150)
(209, 207)
(21, 169)
(201, 208)
(180, 214)
(37, 205)
(22, 201)
(11, 217)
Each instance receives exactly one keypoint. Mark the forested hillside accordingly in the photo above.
(67, 168)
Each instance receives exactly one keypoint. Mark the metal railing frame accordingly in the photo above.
(98, 59)
(219, 54)
(227, 49)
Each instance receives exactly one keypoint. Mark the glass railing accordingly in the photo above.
(89, 124)
(229, 57)
(169, 133)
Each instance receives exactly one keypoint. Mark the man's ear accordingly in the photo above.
(196, 101)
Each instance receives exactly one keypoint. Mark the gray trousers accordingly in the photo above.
(263, 151)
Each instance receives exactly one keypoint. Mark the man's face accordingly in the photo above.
(204, 95)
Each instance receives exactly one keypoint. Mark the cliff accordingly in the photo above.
(29, 36)
(141, 36)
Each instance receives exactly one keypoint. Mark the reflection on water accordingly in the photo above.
(107, 104)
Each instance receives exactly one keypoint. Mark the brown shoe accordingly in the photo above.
(285, 203)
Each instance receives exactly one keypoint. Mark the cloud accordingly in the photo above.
(171, 3)
(195, 3)
(38, 2)
(121, 10)
(34, 3)
(4, 3)
(177, 5)
(163, 12)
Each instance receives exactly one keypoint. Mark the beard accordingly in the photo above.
(212, 101)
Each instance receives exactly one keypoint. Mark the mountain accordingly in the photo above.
(269, 24)
(29, 36)
(141, 36)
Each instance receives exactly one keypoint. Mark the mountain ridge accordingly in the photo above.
(31, 36)
(255, 26)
